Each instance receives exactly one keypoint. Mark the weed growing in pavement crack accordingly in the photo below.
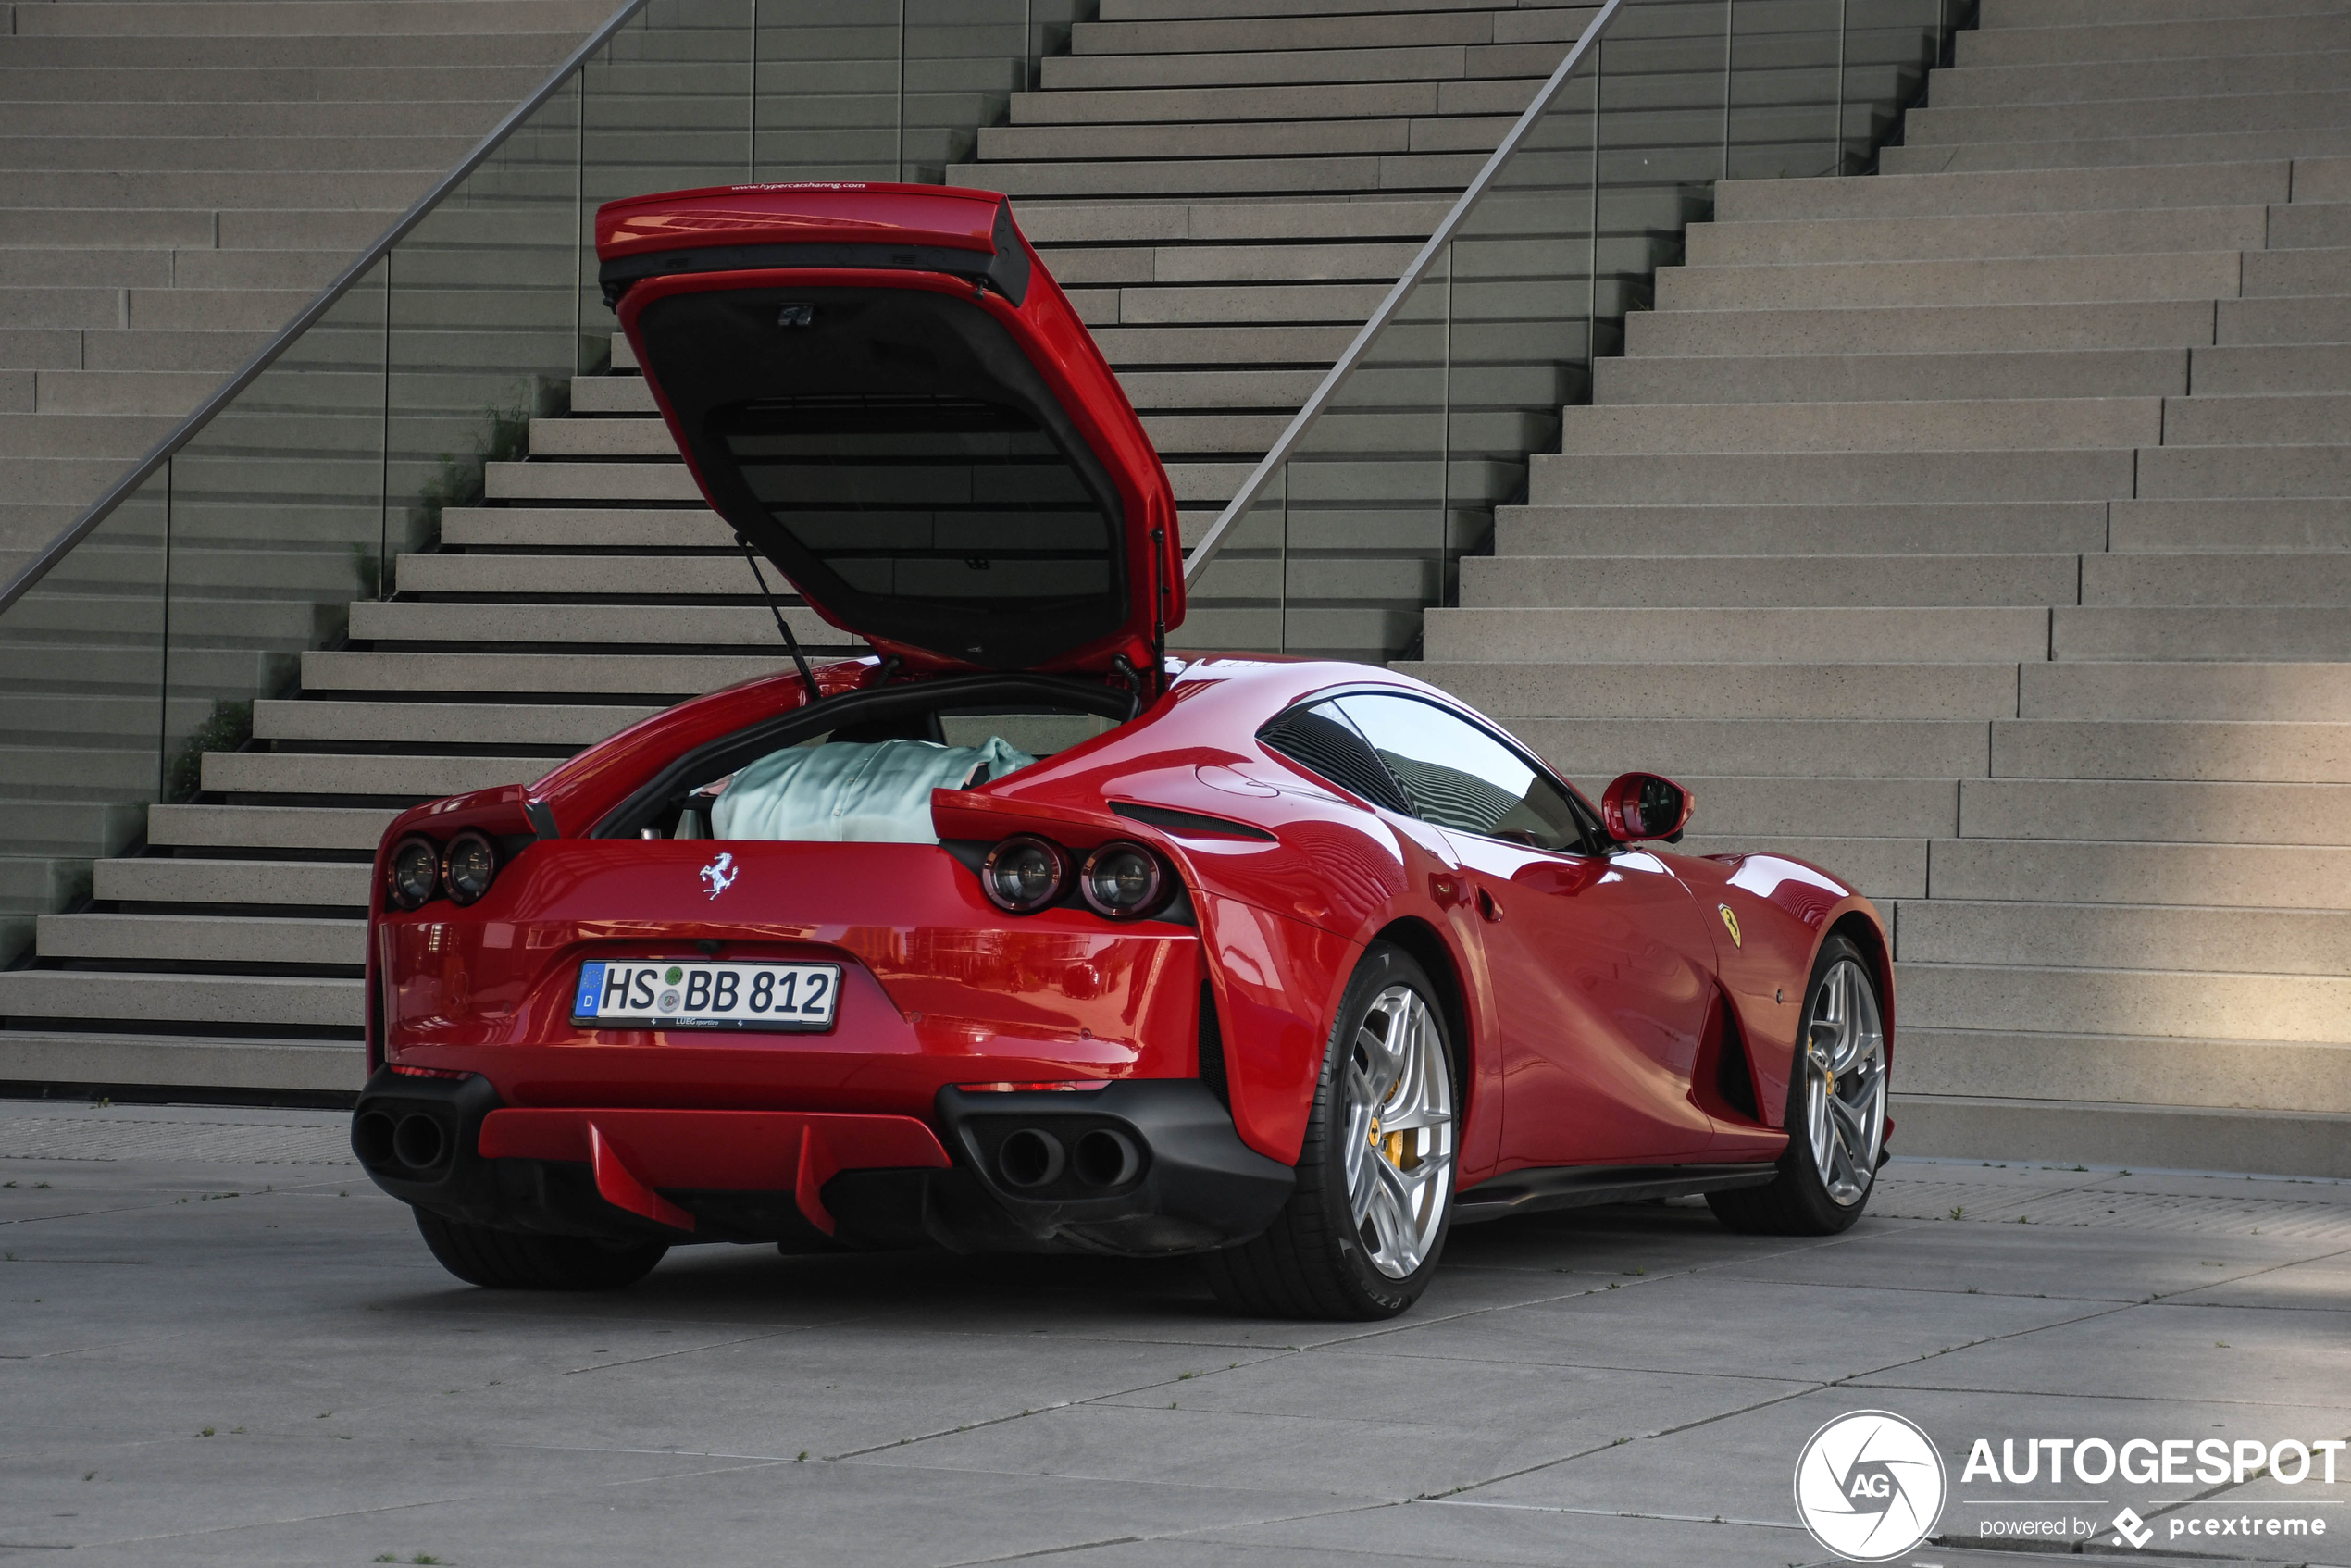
(1956, 1213)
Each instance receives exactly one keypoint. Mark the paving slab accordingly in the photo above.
(221, 1345)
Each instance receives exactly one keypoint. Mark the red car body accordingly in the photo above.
(1627, 1019)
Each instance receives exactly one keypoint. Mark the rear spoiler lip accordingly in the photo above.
(1003, 265)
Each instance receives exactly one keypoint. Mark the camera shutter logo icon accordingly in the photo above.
(1870, 1485)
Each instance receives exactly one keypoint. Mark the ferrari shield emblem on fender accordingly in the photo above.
(1730, 922)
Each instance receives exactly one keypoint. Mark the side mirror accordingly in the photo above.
(1642, 805)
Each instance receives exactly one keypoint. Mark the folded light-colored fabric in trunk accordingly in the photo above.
(852, 791)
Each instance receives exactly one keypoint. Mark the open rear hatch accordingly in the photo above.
(882, 389)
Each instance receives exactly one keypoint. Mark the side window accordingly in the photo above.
(1321, 738)
(1460, 777)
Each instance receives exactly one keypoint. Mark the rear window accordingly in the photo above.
(940, 499)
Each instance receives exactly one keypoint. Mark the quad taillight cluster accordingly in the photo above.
(1118, 881)
(420, 870)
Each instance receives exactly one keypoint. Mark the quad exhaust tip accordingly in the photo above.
(1030, 1157)
(1106, 1158)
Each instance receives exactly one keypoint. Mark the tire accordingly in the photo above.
(1843, 1109)
(508, 1260)
(1388, 1058)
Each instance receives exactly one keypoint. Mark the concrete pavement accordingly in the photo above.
(218, 1344)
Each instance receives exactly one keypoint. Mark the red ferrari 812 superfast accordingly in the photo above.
(1025, 933)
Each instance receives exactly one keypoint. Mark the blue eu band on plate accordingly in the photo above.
(673, 994)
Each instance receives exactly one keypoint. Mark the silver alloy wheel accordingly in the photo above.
(1845, 1082)
(1399, 1092)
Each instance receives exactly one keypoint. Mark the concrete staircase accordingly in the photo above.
(1920, 529)
(178, 176)
(1227, 186)
(1983, 529)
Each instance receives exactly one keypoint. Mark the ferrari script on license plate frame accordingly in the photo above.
(670, 994)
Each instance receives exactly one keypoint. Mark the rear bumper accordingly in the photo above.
(1138, 1169)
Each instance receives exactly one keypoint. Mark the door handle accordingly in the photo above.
(1486, 908)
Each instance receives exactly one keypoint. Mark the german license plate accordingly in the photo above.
(666, 994)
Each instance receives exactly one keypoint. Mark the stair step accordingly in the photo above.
(249, 999)
(2004, 636)
(2073, 82)
(2124, 38)
(284, 827)
(2040, 279)
(2074, 870)
(1862, 581)
(2144, 1069)
(215, 1063)
(2242, 146)
(2157, 811)
(1684, 477)
(671, 626)
(2309, 693)
(266, 883)
(429, 723)
(2193, 1004)
(2195, 749)
(1517, 693)
(395, 775)
(1941, 127)
(585, 528)
(727, 576)
(1390, 31)
(2020, 423)
(2253, 471)
(549, 673)
(1876, 378)
(2261, 635)
(2111, 936)
(212, 938)
(2144, 1138)
(1730, 528)
(1929, 329)
(1945, 195)
(1983, 235)
(2211, 577)
(2272, 368)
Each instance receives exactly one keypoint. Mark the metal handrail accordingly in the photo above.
(309, 315)
(1246, 497)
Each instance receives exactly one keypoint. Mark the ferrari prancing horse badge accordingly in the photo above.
(1730, 921)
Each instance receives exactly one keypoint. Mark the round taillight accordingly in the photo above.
(414, 874)
(1121, 882)
(1023, 875)
(471, 862)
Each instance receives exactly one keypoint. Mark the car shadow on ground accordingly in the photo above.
(1504, 1259)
